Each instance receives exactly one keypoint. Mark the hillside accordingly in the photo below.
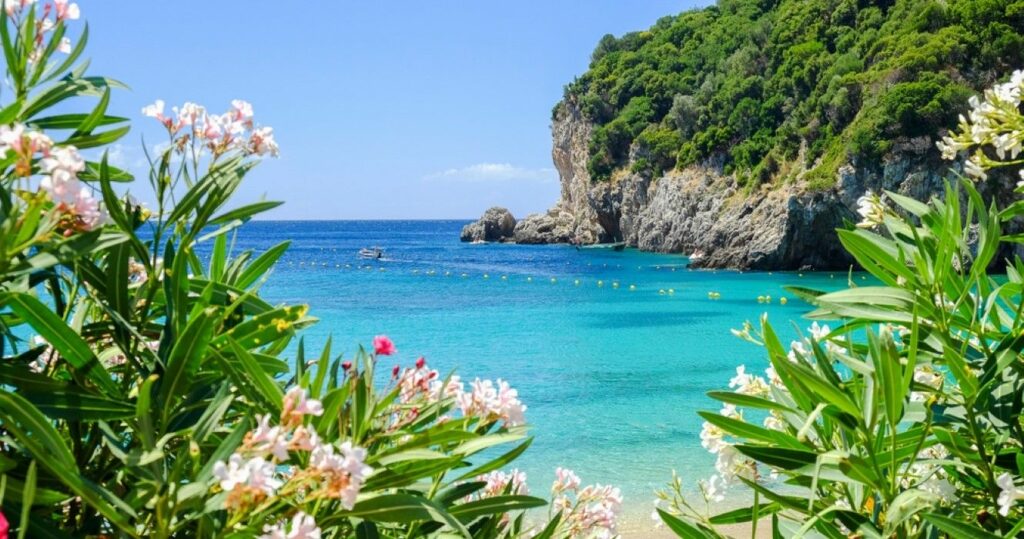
(744, 133)
(769, 88)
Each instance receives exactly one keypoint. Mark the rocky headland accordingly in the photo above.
(700, 210)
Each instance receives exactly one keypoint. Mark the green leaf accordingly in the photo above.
(740, 428)
(744, 514)
(244, 213)
(495, 505)
(957, 528)
(684, 529)
(185, 358)
(41, 440)
(62, 338)
(748, 401)
(498, 462)
(779, 457)
(71, 121)
(258, 267)
(28, 495)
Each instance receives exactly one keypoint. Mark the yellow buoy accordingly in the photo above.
(600, 283)
(783, 300)
(504, 277)
(760, 299)
(553, 280)
(529, 279)
(767, 299)
(671, 291)
(661, 292)
(632, 288)
(487, 276)
(447, 273)
(615, 284)
(576, 282)
(464, 275)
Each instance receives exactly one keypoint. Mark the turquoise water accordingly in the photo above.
(612, 378)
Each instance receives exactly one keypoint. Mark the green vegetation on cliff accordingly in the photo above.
(764, 84)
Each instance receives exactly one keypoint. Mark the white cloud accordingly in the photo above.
(490, 172)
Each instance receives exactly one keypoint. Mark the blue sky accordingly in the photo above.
(390, 110)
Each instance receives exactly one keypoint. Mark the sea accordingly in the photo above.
(612, 352)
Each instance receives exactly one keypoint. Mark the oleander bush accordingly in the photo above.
(147, 390)
(903, 417)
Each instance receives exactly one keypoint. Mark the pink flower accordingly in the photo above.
(421, 362)
(67, 10)
(382, 346)
(346, 365)
(4, 526)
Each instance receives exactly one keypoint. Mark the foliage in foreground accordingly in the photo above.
(905, 420)
(151, 392)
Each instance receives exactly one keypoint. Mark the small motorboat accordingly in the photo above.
(374, 253)
(617, 246)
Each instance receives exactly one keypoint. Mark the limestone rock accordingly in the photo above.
(496, 224)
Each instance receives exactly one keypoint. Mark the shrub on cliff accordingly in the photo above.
(149, 391)
(753, 80)
(903, 418)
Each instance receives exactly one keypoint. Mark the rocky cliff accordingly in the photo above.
(701, 211)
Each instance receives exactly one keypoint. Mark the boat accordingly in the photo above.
(617, 246)
(375, 253)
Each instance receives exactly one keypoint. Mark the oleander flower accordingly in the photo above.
(565, 479)
(1009, 493)
(382, 346)
(268, 440)
(748, 384)
(593, 514)
(492, 403)
(297, 404)
(416, 382)
(66, 10)
(12, 7)
(246, 480)
(303, 526)
(62, 166)
(871, 210)
(341, 474)
(498, 482)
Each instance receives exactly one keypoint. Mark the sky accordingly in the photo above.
(383, 109)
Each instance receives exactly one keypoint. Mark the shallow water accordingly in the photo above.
(613, 377)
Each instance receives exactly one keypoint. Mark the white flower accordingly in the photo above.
(346, 468)
(269, 440)
(731, 464)
(711, 437)
(297, 404)
(498, 481)
(303, 527)
(1009, 493)
(748, 384)
(262, 142)
(565, 479)
(14, 6)
(63, 165)
(871, 210)
(255, 474)
(489, 403)
(713, 489)
(974, 169)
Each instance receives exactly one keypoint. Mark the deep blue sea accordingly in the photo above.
(613, 375)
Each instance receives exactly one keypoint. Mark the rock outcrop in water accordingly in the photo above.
(702, 210)
(496, 224)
